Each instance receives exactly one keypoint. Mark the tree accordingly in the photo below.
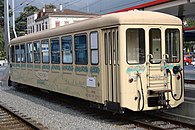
(1, 13)
(2, 43)
(190, 23)
(21, 21)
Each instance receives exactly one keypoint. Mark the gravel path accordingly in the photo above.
(53, 115)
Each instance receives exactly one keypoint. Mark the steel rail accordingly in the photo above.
(14, 116)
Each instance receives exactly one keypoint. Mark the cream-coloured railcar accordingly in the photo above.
(122, 60)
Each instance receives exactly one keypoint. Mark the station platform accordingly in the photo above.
(186, 109)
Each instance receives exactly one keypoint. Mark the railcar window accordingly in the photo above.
(135, 40)
(17, 53)
(106, 46)
(155, 45)
(55, 50)
(45, 51)
(94, 48)
(23, 53)
(67, 49)
(172, 44)
(80, 42)
(37, 51)
(12, 54)
(29, 52)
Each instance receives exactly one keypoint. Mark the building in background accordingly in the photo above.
(50, 17)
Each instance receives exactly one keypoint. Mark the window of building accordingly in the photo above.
(94, 47)
(46, 26)
(17, 53)
(80, 43)
(29, 52)
(135, 40)
(45, 51)
(39, 27)
(23, 53)
(12, 54)
(67, 49)
(57, 23)
(37, 52)
(33, 29)
(55, 50)
(43, 26)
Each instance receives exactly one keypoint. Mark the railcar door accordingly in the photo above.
(111, 81)
(156, 63)
(163, 59)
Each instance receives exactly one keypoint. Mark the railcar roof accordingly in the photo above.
(131, 17)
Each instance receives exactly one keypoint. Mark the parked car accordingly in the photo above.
(4, 74)
(187, 59)
(193, 62)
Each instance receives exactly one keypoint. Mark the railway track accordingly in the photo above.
(129, 120)
(12, 119)
(152, 122)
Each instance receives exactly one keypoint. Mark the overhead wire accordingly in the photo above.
(73, 2)
(120, 6)
(22, 4)
(92, 4)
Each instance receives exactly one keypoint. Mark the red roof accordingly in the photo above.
(148, 4)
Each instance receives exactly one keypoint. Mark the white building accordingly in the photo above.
(31, 25)
(51, 18)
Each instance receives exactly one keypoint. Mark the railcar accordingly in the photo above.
(128, 60)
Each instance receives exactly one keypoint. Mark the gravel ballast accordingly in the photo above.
(52, 115)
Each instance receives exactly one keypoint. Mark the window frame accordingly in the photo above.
(152, 62)
(92, 49)
(27, 53)
(144, 31)
(17, 55)
(42, 51)
(77, 35)
(63, 50)
(179, 43)
(38, 41)
(23, 61)
(55, 52)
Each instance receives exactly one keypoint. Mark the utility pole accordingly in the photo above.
(6, 26)
(13, 19)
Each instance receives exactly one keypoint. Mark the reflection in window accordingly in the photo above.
(155, 45)
(81, 56)
(135, 39)
(37, 52)
(23, 53)
(12, 54)
(94, 47)
(29, 52)
(67, 49)
(45, 51)
(172, 45)
(55, 50)
(17, 53)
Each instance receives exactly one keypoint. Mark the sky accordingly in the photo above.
(90, 6)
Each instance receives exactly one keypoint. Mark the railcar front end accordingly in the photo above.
(148, 69)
